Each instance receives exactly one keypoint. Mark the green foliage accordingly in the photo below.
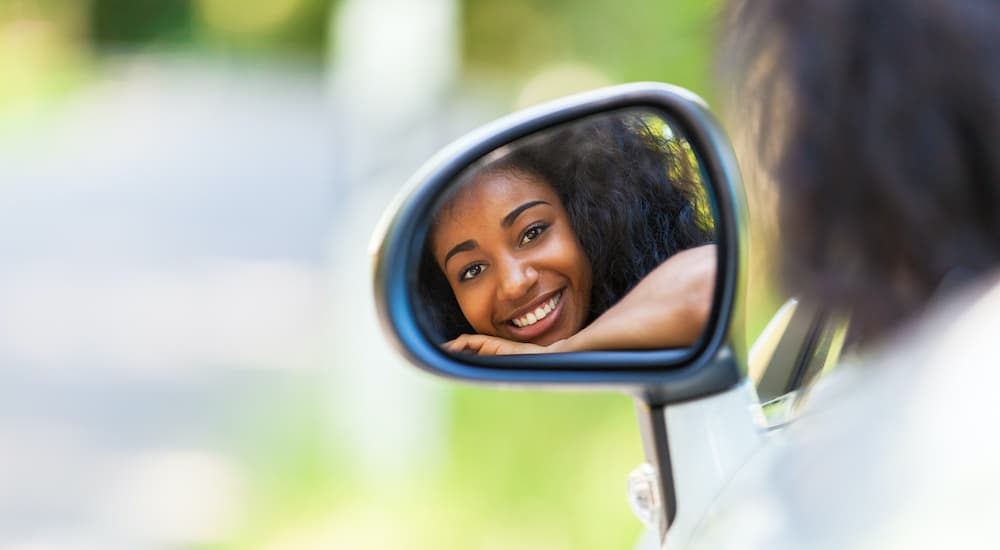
(525, 470)
(300, 28)
(541, 470)
(119, 23)
(628, 40)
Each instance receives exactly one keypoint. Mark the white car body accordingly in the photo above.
(900, 450)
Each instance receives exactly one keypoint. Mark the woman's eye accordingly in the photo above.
(533, 233)
(471, 272)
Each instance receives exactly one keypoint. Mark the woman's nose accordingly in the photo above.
(516, 279)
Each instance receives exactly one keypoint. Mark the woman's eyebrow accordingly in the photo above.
(463, 246)
(508, 220)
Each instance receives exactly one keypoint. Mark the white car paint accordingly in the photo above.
(710, 439)
(900, 449)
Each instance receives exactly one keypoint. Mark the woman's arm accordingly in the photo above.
(668, 308)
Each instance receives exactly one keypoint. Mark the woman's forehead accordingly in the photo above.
(487, 196)
(493, 187)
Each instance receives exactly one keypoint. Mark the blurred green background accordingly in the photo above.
(52, 47)
(506, 469)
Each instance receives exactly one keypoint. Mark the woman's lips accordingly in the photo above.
(538, 313)
(538, 320)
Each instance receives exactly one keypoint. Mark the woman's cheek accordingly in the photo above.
(477, 307)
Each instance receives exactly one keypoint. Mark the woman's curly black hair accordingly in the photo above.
(634, 198)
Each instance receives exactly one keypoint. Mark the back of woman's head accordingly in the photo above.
(879, 121)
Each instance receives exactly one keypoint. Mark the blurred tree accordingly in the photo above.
(296, 27)
(118, 23)
(626, 40)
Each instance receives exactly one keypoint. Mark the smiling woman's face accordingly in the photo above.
(507, 248)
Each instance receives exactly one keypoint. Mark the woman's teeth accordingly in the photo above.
(540, 313)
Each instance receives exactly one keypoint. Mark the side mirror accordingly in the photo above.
(527, 233)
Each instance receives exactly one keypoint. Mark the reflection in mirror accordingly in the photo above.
(594, 235)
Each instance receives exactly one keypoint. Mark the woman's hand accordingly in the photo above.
(480, 344)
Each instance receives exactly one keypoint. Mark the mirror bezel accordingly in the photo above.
(716, 363)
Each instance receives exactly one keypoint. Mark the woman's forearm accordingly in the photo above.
(668, 308)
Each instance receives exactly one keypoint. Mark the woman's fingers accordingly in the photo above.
(457, 345)
(465, 343)
(484, 345)
(480, 344)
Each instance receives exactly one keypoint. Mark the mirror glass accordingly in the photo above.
(593, 235)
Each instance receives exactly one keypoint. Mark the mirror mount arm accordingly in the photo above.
(650, 409)
(653, 430)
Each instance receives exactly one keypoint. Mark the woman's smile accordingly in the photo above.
(507, 248)
(538, 313)
(533, 324)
